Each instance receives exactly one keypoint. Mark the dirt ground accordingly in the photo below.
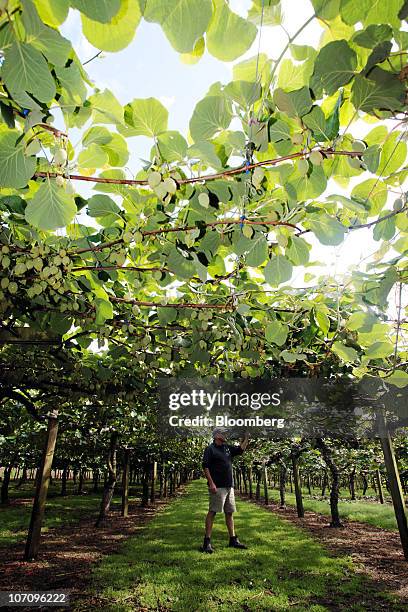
(375, 552)
(67, 554)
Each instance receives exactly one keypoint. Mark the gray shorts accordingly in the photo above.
(223, 500)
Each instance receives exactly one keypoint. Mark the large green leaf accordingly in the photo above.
(258, 251)
(52, 12)
(382, 90)
(371, 192)
(55, 47)
(183, 21)
(351, 11)
(98, 10)
(146, 117)
(327, 229)
(384, 230)
(346, 353)
(92, 157)
(278, 270)
(172, 146)
(106, 107)
(298, 251)
(229, 35)
(51, 207)
(120, 30)
(379, 350)
(210, 115)
(205, 152)
(26, 69)
(373, 35)
(279, 131)
(276, 332)
(102, 205)
(393, 154)
(334, 67)
(294, 103)
(15, 168)
(316, 121)
(104, 311)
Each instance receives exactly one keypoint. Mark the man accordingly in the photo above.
(217, 464)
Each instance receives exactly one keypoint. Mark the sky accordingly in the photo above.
(149, 67)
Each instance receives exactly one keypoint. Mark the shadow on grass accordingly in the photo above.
(284, 568)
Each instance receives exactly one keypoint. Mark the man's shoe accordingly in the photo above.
(206, 547)
(235, 543)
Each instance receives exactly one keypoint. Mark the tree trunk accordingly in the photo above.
(64, 481)
(334, 490)
(258, 485)
(43, 481)
(80, 482)
(394, 483)
(153, 483)
(24, 477)
(95, 476)
(352, 483)
(145, 485)
(282, 482)
(111, 480)
(365, 484)
(298, 490)
(324, 484)
(5, 485)
(125, 484)
(379, 485)
(250, 482)
(265, 484)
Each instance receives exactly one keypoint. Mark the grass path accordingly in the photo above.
(162, 568)
(372, 513)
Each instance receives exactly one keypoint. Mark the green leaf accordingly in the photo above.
(15, 168)
(378, 55)
(351, 11)
(334, 67)
(327, 229)
(346, 353)
(229, 35)
(98, 10)
(146, 117)
(167, 315)
(399, 378)
(279, 131)
(106, 107)
(205, 152)
(92, 157)
(253, 69)
(116, 34)
(372, 35)
(309, 185)
(379, 350)
(294, 103)
(52, 12)
(371, 158)
(51, 207)
(393, 155)
(73, 89)
(316, 121)
(297, 251)
(117, 151)
(104, 311)
(181, 266)
(26, 69)
(322, 319)
(47, 40)
(258, 251)
(371, 192)
(382, 90)
(210, 115)
(96, 135)
(278, 270)
(196, 54)
(182, 21)
(102, 205)
(384, 230)
(276, 332)
(172, 146)
(361, 321)
(325, 9)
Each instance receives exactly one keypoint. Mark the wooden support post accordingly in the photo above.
(125, 484)
(153, 483)
(394, 482)
(379, 485)
(37, 514)
(298, 490)
(265, 484)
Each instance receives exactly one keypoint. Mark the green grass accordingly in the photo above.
(372, 513)
(162, 568)
(60, 511)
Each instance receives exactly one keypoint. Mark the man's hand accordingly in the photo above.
(212, 487)
(244, 441)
